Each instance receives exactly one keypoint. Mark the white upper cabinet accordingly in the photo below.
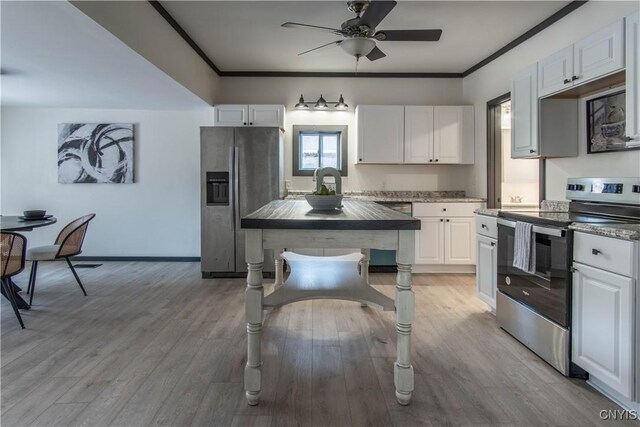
(231, 115)
(596, 55)
(380, 133)
(633, 77)
(453, 138)
(524, 113)
(599, 53)
(555, 72)
(418, 134)
(235, 115)
(266, 115)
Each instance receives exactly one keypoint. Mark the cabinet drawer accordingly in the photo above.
(445, 209)
(606, 253)
(487, 226)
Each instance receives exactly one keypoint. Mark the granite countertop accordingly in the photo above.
(354, 215)
(619, 231)
(401, 196)
(487, 211)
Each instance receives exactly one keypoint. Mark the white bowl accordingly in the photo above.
(324, 203)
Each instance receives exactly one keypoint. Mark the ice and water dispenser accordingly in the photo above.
(217, 188)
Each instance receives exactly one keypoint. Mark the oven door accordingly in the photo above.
(546, 290)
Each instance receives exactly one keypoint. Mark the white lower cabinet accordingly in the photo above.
(430, 241)
(458, 241)
(447, 234)
(487, 269)
(603, 327)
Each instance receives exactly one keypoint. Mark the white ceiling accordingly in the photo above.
(247, 36)
(55, 56)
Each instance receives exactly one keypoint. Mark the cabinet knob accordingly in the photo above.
(250, 123)
(441, 220)
(493, 243)
(430, 160)
(596, 251)
(444, 209)
(483, 225)
(436, 160)
(574, 78)
(532, 151)
(244, 123)
(447, 220)
(573, 269)
(567, 81)
(360, 160)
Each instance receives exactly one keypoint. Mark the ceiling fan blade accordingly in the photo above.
(310, 27)
(337, 42)
(409, 35)
(376, 53)
(376, 12)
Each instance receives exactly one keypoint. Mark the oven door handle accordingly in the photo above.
(548, 231)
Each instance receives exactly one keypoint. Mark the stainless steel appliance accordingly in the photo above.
(241, 169)
(384, 261)
(536, 307)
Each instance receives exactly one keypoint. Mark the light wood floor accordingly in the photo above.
(154, 344)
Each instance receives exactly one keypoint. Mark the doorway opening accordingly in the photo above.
(511, 183)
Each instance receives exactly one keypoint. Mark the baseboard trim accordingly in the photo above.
(138, 258)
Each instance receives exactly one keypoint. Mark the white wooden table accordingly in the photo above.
(291, 223)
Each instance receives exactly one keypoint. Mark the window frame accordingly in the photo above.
(343, 150)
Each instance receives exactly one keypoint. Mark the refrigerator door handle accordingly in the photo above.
(236, 186)
(232, 196)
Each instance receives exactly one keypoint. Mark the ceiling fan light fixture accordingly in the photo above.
(301, 105)
(321, 104)
(358, 46)
(341, 106)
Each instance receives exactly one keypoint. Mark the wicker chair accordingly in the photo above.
(12, 248)
(67, 244)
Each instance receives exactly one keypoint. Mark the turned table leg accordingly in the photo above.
(277, 254)
(254, 296)
(364, 268)
(403, 371)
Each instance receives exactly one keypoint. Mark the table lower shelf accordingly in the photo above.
(335, 277)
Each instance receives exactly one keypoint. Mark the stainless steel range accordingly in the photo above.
(535, 307)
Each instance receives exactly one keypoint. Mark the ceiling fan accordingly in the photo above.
(360, 35)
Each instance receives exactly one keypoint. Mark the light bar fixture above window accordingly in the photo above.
(322, 104)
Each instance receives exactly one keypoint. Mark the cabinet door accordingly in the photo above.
(486, 270)
(459, 245)
(633, 77)
(266, 115)
(418, 134)
(447, 134)
(524, 113)
(231, 115)
(602, 336)
(599, 53)
(380, 133)
(555, 72)
(430, 241)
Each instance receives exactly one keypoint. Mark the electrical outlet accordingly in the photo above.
(288, 185)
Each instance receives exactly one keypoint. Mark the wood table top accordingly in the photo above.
(16, 223)
(354, 215)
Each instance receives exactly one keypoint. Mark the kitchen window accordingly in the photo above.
(319, 147)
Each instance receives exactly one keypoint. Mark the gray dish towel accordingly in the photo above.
(524, 251)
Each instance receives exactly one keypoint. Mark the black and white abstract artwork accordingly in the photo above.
(99, 153)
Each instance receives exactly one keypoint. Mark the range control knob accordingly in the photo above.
(571, 187)
(635, 189)
(579, 187)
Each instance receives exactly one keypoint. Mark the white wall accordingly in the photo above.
(158, 215)
(267, 90)
(494, 80)
(144, 30)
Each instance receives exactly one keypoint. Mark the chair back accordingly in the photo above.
(71, 237)
(12, 247)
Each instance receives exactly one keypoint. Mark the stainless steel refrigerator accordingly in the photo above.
(241, 169)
